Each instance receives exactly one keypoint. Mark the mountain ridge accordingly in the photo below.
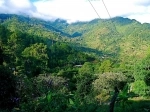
(121, 37)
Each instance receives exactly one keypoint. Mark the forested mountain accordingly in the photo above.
(49, 66)
(119, 36)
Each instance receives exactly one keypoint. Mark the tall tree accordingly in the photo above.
(106, 66)
(36, 59)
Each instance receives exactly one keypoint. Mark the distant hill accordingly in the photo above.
(119, 37)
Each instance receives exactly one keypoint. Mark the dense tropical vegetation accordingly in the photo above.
(53, 66)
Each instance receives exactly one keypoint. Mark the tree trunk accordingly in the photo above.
(113, 100)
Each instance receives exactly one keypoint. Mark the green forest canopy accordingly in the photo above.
(45, 68)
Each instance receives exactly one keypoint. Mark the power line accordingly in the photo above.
(108, 15)
(94, 9)
(106, 9)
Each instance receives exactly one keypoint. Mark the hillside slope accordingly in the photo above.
(119, 37)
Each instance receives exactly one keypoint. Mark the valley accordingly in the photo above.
(50, 66)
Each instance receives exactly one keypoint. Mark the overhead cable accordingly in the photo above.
(94, 9)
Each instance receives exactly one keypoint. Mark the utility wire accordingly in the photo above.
(106, 9)
(108, 14)
(94, 9)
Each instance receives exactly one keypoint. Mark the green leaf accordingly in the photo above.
(71, 101)
(49, 97)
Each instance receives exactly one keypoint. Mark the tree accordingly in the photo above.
(8, 97)
(147, 79)
(4, 33)
(139, 87)
(36, 59)
(107, 83)
(1, 56)
(15, 45)
(106, 66)
(87, 68)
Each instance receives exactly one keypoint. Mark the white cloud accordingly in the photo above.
(78, 10)
(81, 10)
(17, 6)
(141, 2)
(71, 10)
(19, 3)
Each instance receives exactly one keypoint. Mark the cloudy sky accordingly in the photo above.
(78, 10)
